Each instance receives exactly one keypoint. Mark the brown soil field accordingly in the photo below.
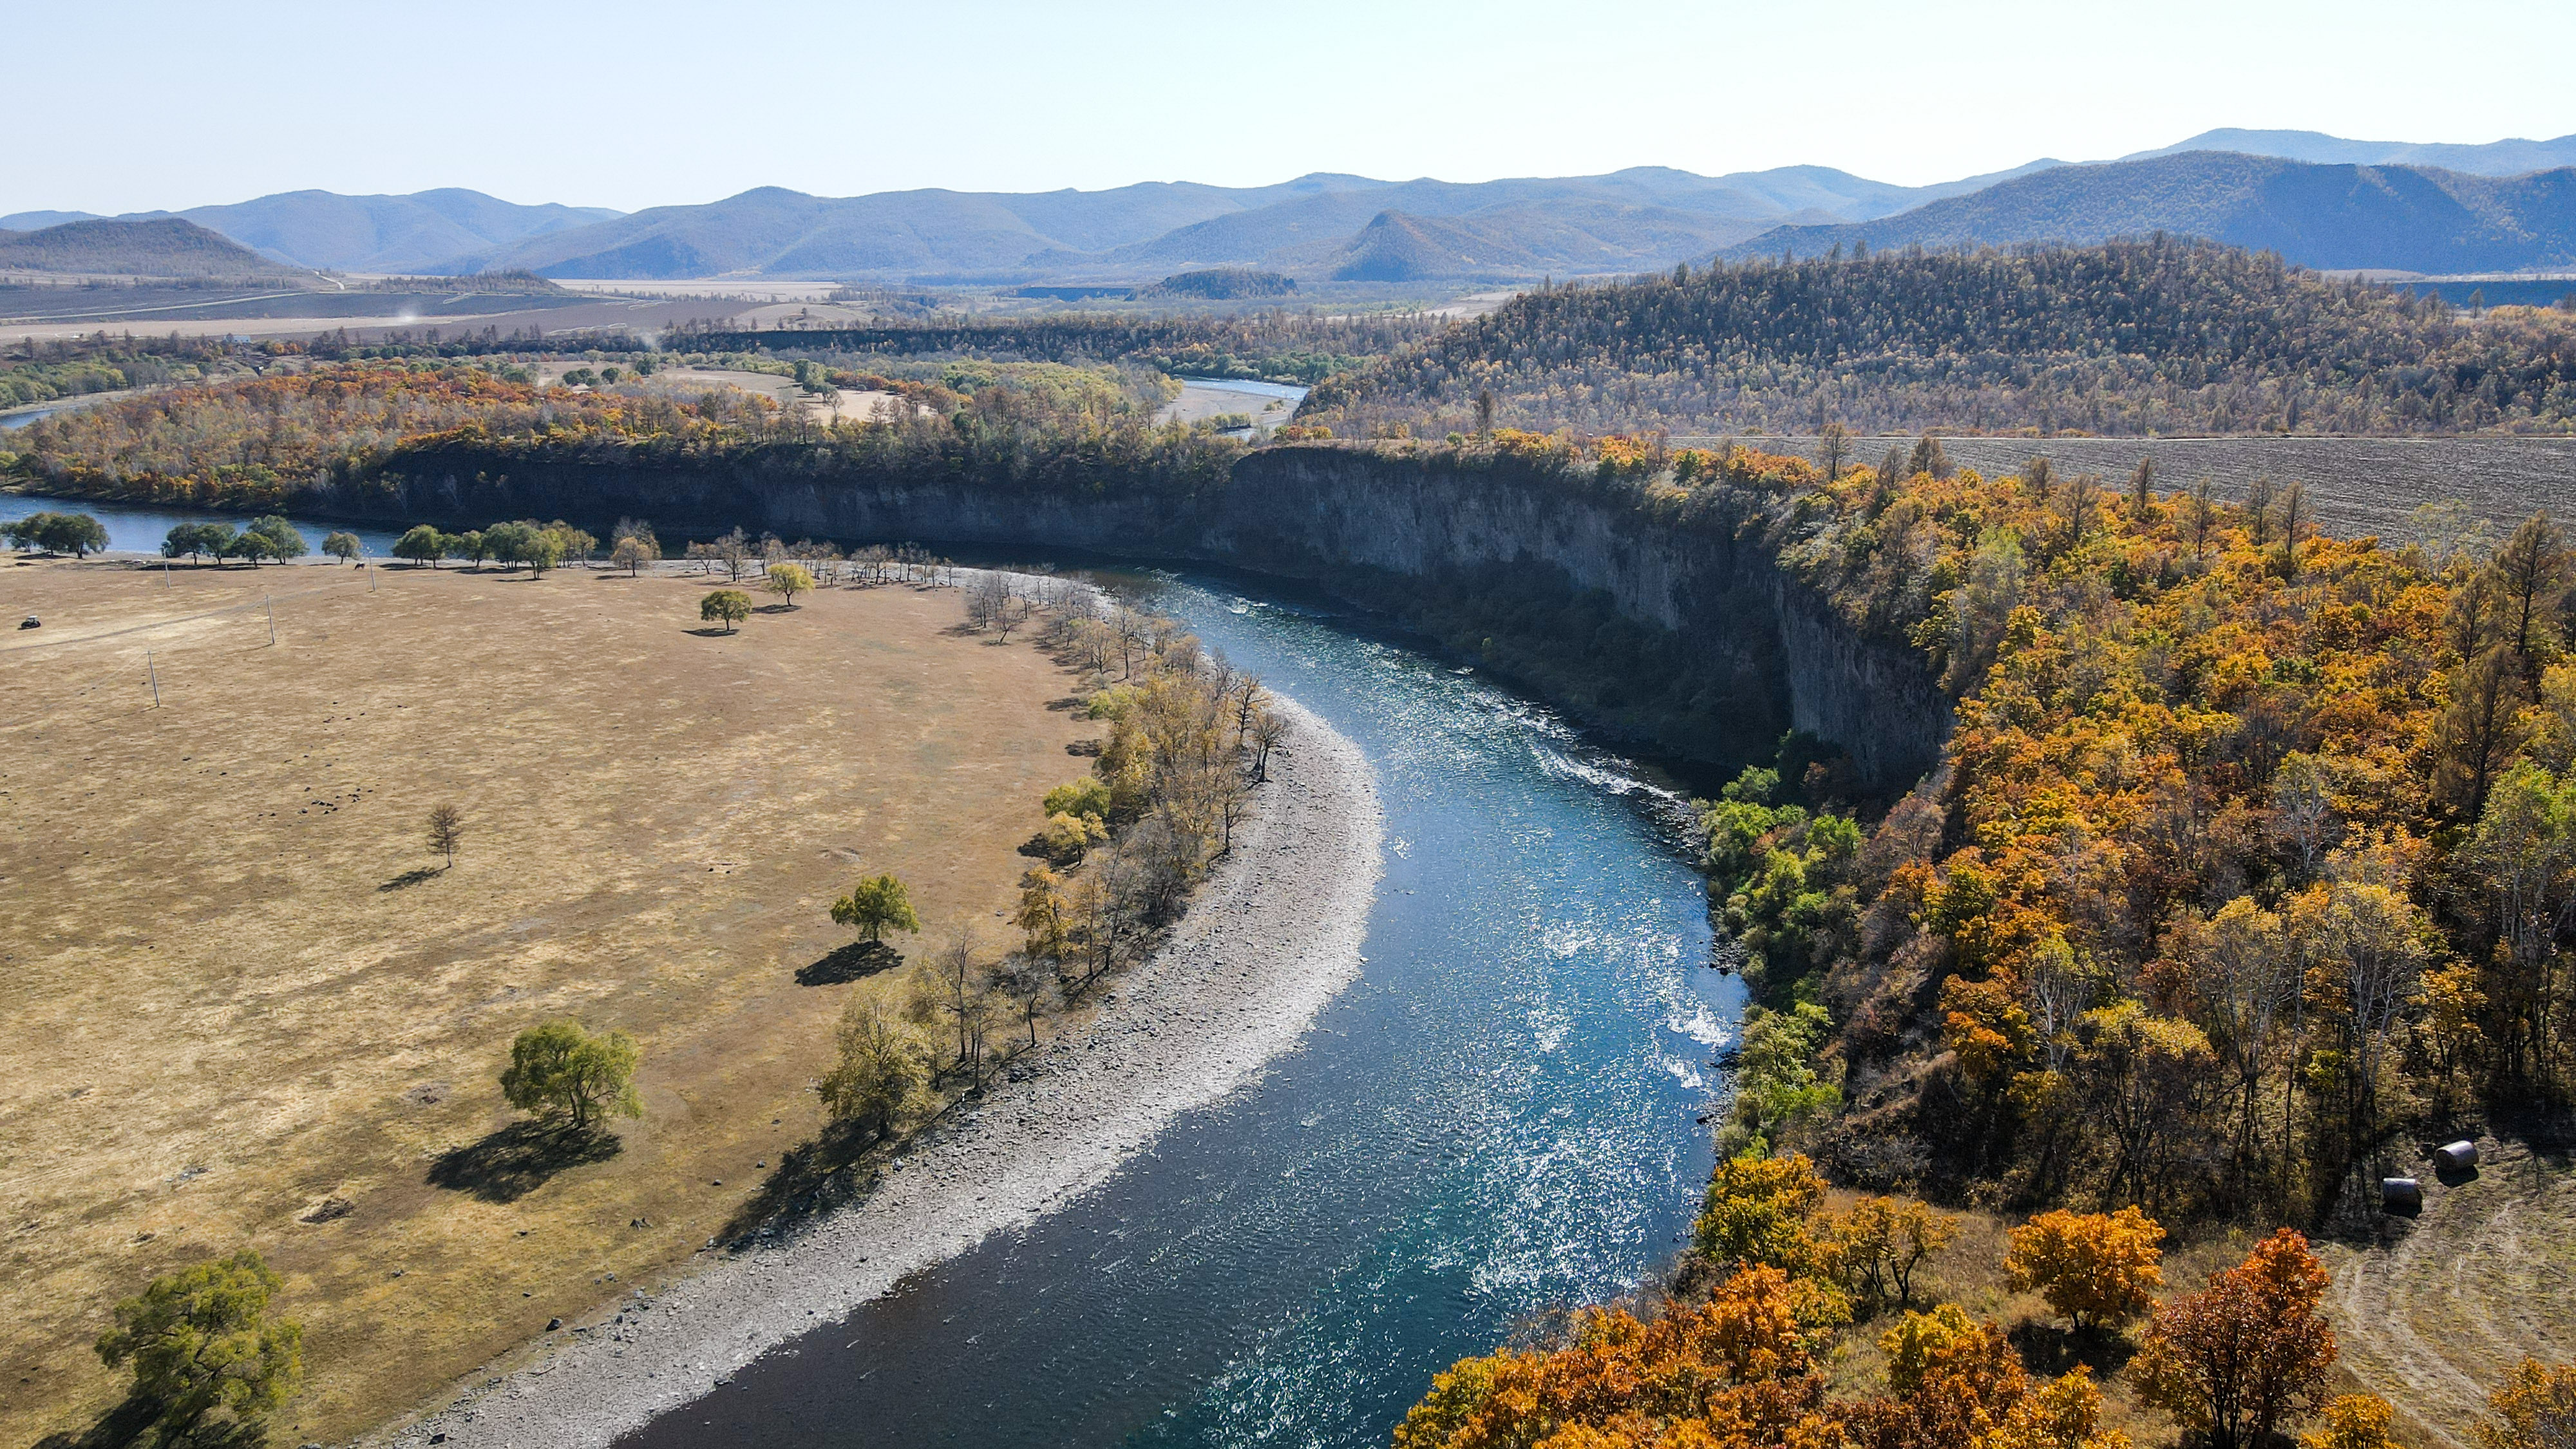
(242, 993)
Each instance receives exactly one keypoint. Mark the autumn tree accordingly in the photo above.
(1756, 1212)
(1045, 917)
(632, 552)
(1737, 1370)
(726, 606)
(2145, 1082)
(1878, 1244)
(207, 1338)
(2095, 1268)
(2534, 1408)
(2354, 1421)
(2246, 1355)
(560, 1071)
(877, 1077)
(876, 905)
(787, 580)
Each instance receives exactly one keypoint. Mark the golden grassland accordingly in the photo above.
(241, 993)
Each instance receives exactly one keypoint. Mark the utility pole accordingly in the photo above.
(271, 601)
(154, 675)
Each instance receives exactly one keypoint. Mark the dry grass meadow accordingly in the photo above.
(246, 1007)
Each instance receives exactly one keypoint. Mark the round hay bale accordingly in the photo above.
(2401, 1195)
(2457, 1157)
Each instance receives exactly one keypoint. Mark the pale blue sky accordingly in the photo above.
(128, 106)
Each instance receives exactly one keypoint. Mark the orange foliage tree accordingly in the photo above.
(2247, 1354)
(2095, 1268)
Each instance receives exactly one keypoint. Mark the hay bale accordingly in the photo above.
(2401, 1195)
(2457, 1157)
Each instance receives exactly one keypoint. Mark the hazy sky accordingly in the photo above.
(132, 106)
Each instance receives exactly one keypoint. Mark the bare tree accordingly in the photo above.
(1028, 982)
(734, 551)
(1833, 450)
(446, 831)
(1268, 728)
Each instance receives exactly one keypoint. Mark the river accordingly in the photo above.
(1497, 1120)
(140, 527)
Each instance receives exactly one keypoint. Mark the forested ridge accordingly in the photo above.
(2157, 336)
(2250, 870)
(1275, 345)
(255, 443)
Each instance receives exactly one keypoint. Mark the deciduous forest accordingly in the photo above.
(2162, 336)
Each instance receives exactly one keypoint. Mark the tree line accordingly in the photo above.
(526, 542)
(1189, 742)
(362, 429)
(2158, 336)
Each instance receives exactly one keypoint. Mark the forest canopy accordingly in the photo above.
(2158, 336)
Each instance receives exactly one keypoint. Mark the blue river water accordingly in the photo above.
(1498, 1120)
(140, 527)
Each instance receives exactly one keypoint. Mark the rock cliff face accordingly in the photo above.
(1354, 523)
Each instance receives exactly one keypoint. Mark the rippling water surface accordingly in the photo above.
(1495, 1120)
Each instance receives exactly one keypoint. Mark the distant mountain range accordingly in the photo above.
(2496, 158)
(2320, 200)
(2327, 216)
(325, 230)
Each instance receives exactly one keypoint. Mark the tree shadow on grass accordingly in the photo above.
(131, 1422)
(2048, 1349)
(715, 631)
(408, 879)
(849, 963)
(517, 1160)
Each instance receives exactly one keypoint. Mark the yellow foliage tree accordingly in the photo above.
(2535, 1408)
(2095, 1268)
(2355, 1421)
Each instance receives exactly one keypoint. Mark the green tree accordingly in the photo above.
(279, 539)
(729, 606)
(876, 905)
(470, 545)
(342, 546)
(204, 1338)
(197, 540)
(77, 534)
(421, 544)
(559, 1070)
(787, 580)
(878, 1078)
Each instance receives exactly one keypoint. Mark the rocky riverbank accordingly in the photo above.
(1273, 937)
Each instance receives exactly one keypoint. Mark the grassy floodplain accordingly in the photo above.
(250, 1008)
